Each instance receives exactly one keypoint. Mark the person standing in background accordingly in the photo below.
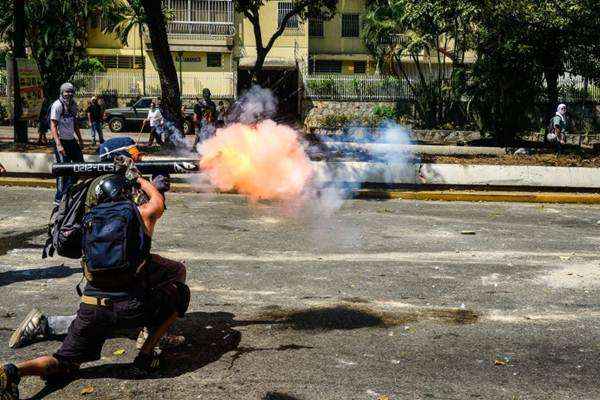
(64, 127)
(94, 114)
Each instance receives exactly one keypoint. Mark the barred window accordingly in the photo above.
(350, 25)
(283, 8)
(315, 27)
(213, 60)
(326, 67)
(124, 62)
(360, 67)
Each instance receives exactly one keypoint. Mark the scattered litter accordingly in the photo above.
(372, 393)
(383, 397)
(520, 152)
(119, 352)
(463, 306)
(565, 258)
(344, 362)
(467, 232)
(395, 361)
(503, 359)
(87, 390)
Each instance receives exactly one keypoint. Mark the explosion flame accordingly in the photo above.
(264, 161)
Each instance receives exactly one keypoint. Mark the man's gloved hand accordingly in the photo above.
(127, 165)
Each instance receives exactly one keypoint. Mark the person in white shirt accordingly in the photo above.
(155, 119)
(64, 127)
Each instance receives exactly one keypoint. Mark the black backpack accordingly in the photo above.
(64, 230)
(114, 245)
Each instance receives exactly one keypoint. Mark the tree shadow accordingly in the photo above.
(32, 274)
(21, 241)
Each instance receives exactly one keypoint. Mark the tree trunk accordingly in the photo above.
(141, 27)
(257, 72)
(157, 27)
(551, 75)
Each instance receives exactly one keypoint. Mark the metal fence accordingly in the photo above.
(221, 84)
(355, 87)
(382, 88)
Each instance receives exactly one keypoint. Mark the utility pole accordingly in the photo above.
(20, 126)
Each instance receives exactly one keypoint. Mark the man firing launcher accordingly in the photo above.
(126, 288)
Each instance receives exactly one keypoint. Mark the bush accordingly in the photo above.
(384, 112)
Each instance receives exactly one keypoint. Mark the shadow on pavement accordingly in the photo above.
(21, 241)
(209, 336)
(32, 274)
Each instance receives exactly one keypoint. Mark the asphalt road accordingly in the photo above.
(395, 298)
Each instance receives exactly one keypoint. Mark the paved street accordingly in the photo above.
(393, 298)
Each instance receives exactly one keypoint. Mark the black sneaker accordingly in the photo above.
(9, 382)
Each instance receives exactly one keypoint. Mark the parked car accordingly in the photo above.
(120, 118)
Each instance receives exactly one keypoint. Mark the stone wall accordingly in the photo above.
(315, 112)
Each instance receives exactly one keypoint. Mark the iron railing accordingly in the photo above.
(382, 88)
(354, 87)
(201, 17)
(221, 84)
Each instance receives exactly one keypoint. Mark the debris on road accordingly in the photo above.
(467, 232)
(119, 352)
(87, 390)
(503, 359)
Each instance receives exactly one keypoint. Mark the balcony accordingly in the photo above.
(201, 22)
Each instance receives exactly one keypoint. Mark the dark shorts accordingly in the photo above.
(94, 324)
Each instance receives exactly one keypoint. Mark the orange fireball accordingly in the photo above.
(263, 161)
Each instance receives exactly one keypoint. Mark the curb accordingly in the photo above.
(508, 197)
(383, 194)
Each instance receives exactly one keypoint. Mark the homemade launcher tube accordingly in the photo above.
(90, 169)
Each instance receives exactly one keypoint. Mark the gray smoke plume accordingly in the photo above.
(255, 105)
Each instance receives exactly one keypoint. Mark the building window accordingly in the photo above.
(326, 67)
(213, 60)
(315, 27)
(360, 67)
(121, 62)
(350, 25)
(283, 8)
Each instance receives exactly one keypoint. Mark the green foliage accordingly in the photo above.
(384, 112)
(56, 32)
(434, 35)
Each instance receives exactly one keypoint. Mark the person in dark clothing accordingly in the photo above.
(94, 114)
(205, 115)
(64, 127)
(155, 300)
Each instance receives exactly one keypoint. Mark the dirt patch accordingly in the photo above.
(344, 317)
(549, 160)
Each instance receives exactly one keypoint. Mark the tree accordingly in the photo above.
(301, 9)
(424, 43)
(506, 82)
(123, 17)
(157, 28)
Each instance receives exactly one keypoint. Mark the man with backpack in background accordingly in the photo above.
(64, 127)
(127, 287)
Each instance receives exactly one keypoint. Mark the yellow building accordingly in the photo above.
(214, 47)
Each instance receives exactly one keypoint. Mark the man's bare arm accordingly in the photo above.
(154, 208)
(54, 130)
